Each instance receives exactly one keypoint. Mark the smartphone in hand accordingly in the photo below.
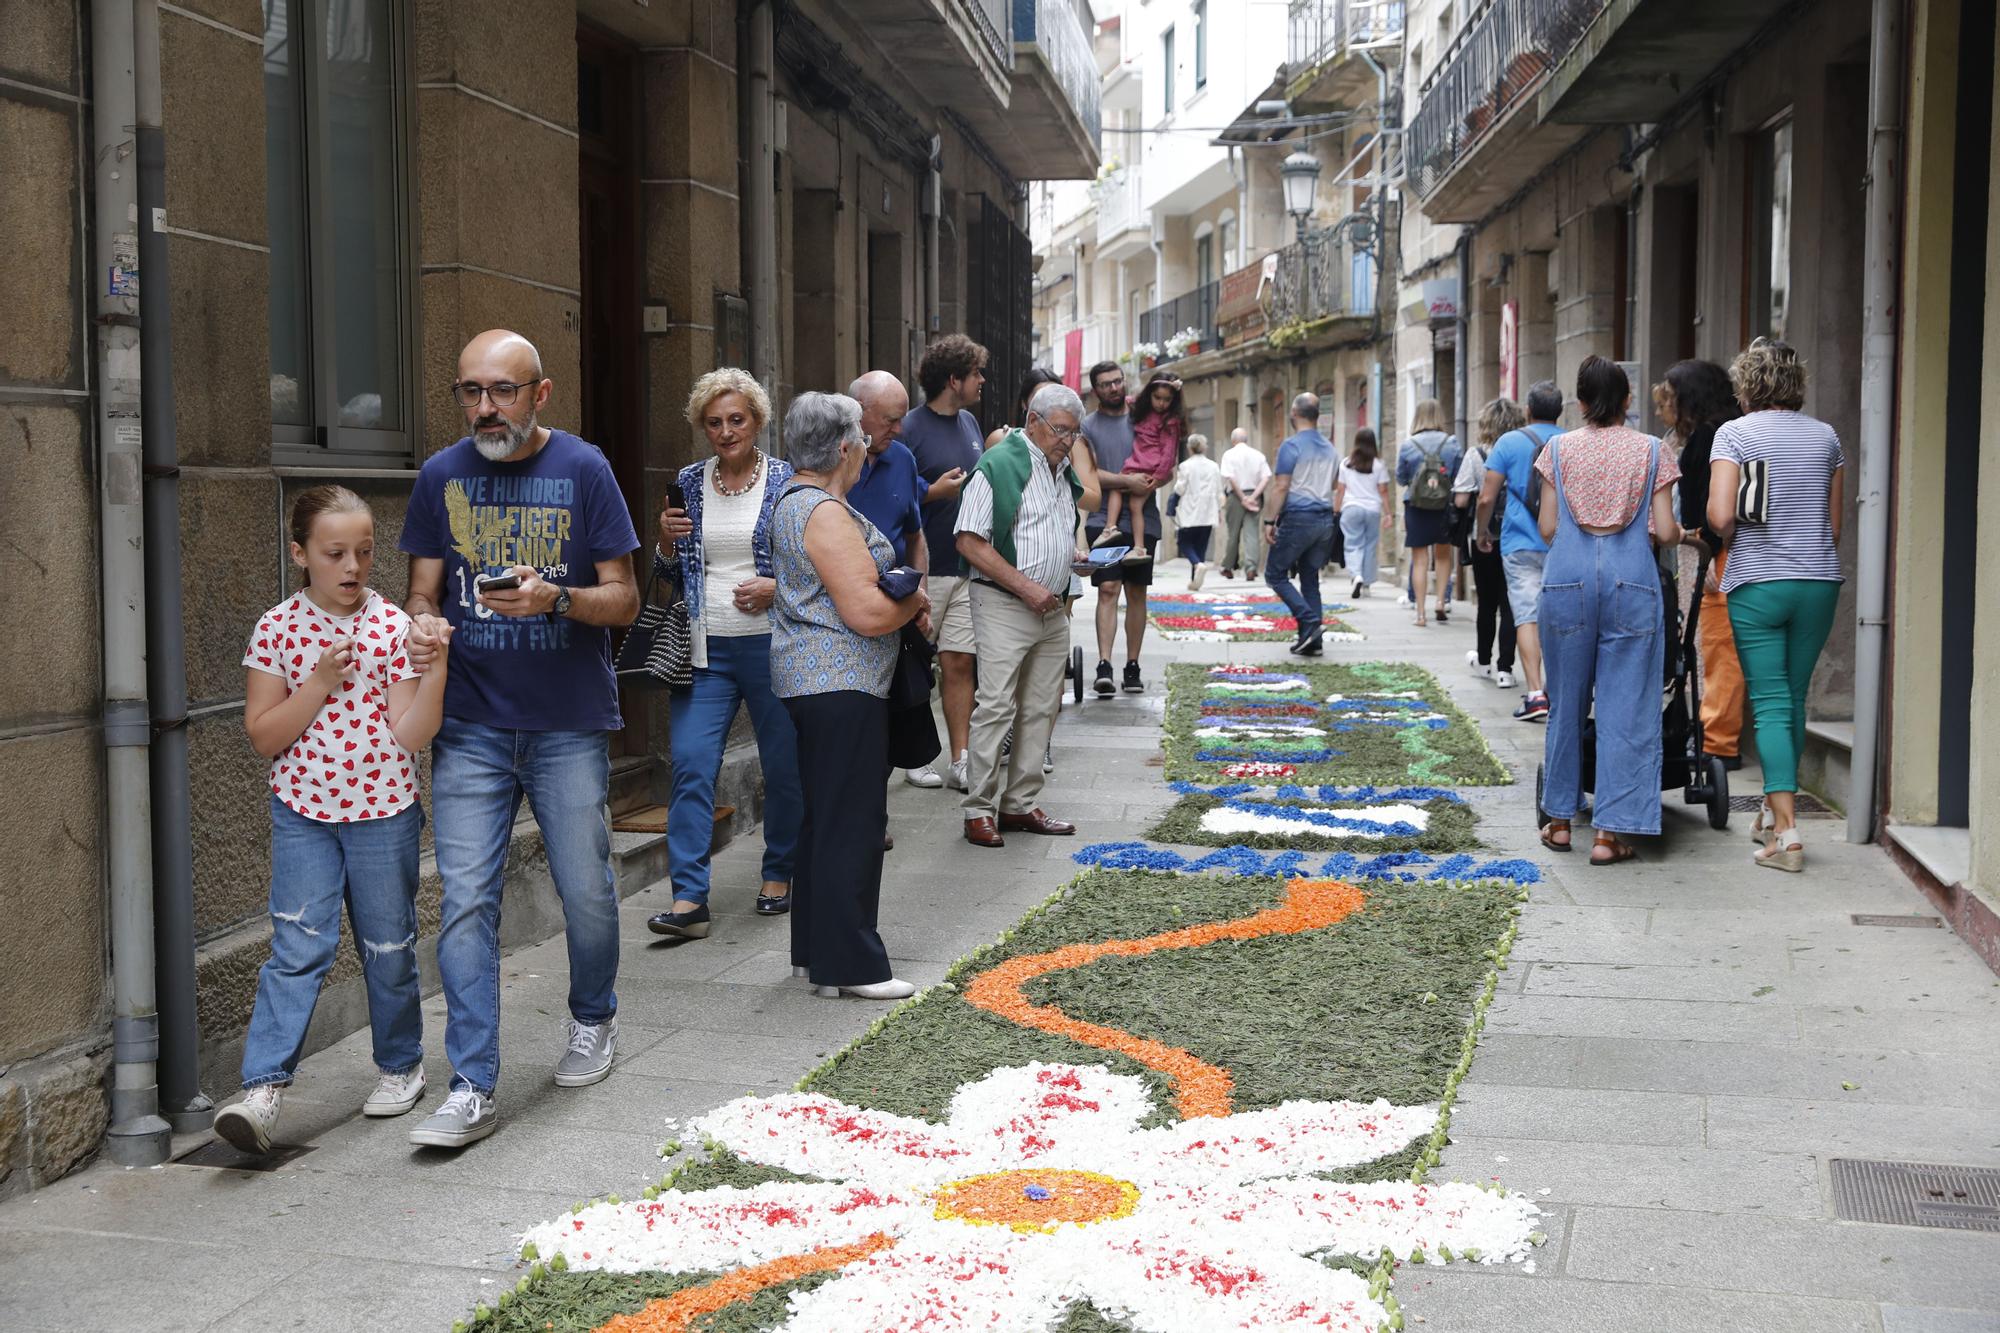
(676, 497)
(497, 582)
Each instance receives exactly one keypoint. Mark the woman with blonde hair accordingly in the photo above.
(1783, 578)
(1426, 466)
(715, 538)
(1489, 579)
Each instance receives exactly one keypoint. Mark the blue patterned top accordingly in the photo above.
(812, 649)
(688, 550)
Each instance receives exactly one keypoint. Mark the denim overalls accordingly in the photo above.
(1602, 627)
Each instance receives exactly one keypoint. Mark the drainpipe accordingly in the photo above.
(1461, 363)
(166, 650)
(138, 1136)
(1878, 404)
(933, 207)
(757, 34)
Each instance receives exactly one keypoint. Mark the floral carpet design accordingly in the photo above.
(1226, 617)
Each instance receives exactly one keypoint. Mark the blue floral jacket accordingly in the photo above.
(694, 484)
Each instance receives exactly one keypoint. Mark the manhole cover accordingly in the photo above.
(222, 1157)
(1807, 805)
(1870, 919)
(1917, 1194)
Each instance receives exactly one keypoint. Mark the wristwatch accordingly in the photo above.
(561, 608)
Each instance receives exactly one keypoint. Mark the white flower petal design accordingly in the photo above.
(1035, 1112)
(1161, 1286)
(1369, 1220)
(1223, 819)
(982, 1277)
(1293, 1139)
(724, 1227)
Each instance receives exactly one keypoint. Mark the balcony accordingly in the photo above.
(967, 56)
(1056, 89)
(1477, 138)
(1318, 282)
(1124, 228)
(1192, 312)
(1323, 69)
(1640, 57)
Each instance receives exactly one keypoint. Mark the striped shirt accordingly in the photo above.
(1044, 527)
(1800, 456)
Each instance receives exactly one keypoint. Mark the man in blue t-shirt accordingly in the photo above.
(1510, 468)
(528, 707)
(1298, 527)
(890, 492)
(944, 436)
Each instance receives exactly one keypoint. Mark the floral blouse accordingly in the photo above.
(1604, 473)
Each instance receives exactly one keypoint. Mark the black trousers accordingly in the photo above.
(1489, 582)
(837, 885)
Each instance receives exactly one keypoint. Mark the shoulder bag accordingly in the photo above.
(1753, 492)
(658, 650)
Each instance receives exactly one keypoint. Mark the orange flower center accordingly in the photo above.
(1036, 1200)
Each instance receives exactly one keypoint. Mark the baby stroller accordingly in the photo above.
(1702, 777)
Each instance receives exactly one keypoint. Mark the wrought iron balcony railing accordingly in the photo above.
(1492, 63)
(1191, 311)
(1320, 29)
(1321, 278)
(1053, 26)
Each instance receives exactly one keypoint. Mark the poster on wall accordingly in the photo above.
(1510, 350)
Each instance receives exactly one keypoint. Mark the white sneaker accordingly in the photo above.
(1483, 670)
(927, 776)
(395, 1094)
(1197, 574)
(1049, 759)
(892, 989)
(248, 1125)
(958, 779)
(1504, 679)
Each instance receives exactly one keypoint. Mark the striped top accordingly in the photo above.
(1044, 526)
(1800, 455)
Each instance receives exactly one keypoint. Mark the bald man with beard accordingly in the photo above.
(519, 539)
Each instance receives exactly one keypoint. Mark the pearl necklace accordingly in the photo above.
(756, 472)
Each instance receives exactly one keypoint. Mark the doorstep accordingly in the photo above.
(1939, 861)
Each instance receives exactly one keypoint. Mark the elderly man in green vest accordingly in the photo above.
(1017, 531)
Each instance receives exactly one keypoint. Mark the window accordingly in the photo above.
(1228, 231)
(1200, 44)
(336, 122)
(1768, 225)
(1204, 260)
(1167, 72)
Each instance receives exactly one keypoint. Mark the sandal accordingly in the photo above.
(1782, 850)
(1620, 850)
(1550, 829)
(1765, 821)
(1443, 614)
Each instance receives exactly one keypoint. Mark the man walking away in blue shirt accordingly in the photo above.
(1299, 525)
(1511, 484)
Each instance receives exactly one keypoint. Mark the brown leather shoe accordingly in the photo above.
(981, 833)
(1037, 822)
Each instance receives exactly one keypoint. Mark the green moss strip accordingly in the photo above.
(1449, 829)
(1453, 755)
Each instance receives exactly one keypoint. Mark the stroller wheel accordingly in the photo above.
(1076, 672)
(1718, 792)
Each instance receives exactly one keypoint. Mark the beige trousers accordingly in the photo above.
(1021, 660)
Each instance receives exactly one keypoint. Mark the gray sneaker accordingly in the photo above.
(467, 1116)
(588, 1059)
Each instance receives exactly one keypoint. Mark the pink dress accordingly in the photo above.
(1156, 447)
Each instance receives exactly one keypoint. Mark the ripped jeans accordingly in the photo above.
(370, 865)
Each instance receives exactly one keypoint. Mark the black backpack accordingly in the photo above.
(1534, 479)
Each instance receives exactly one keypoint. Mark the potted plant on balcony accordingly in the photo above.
(1146, 354)
(1185, 343)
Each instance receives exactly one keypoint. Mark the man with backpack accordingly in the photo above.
(1513, 492)
(1425, 466)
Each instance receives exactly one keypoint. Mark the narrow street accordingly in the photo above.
(1678, 1051)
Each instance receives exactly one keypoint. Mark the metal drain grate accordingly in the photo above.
(1917, 1194)
(1873, 919)
(222, 1157)
(1807, 805)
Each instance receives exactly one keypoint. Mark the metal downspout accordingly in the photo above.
(166, 646)
(1886, 63)
(1461, 361)
(933, 265)
(138, 1136)
(760, 195)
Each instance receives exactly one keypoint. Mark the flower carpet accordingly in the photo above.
(1228, 617)
(1395, 819)
(1365, 722)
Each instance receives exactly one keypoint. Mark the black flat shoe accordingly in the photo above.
(777, 906)
(680, 925)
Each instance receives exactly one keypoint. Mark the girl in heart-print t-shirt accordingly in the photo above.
(347, 765)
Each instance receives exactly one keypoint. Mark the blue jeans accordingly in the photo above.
(478, 776)
(1362, 529)
(370, 864)
(1303, 541)
(738, 671)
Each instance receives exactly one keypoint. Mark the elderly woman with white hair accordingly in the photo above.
(715, 536)
(834, 644)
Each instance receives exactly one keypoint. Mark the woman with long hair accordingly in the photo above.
(1357, 499)
(1489, 579)
(1784, 577)
(1426, 465)
(1605, 631)
(1695, 400)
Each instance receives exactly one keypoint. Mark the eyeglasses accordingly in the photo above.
(503, 394)
(1066, 434)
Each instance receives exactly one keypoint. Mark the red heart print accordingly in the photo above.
(347, 805)
(350, 745)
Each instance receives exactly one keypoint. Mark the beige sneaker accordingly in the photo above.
(248, 1125)
(395, 1094)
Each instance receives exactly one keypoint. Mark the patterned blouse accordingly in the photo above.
(812, 649)
(1604, 474)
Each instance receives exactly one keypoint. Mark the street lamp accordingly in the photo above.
(1300, 173)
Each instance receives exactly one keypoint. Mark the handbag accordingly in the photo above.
(1753, 492)
(658, 650)
(913, 738)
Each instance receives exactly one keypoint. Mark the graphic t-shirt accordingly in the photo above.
(560, 512)
(347, 765)
(941, 443)
(890, 494)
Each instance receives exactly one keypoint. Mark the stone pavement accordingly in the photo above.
(1668, 1058)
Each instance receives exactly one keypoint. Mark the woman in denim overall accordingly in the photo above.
(1603, 626)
